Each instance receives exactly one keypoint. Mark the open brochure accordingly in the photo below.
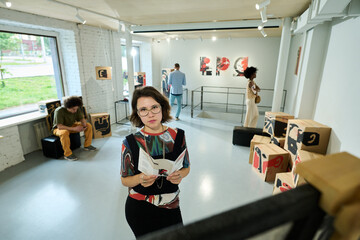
(159, 167)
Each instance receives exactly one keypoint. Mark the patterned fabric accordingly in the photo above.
(154, 143)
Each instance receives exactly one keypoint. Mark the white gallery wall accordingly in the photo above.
(262, 53)
(291, 78)
(326, 87)
(338, 99)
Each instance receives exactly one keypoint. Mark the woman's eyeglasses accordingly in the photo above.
(143, 112)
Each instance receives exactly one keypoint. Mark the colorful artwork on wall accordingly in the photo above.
(222, 63)
(139, 79)
(165, 88)
(205, 68)
(240, 65)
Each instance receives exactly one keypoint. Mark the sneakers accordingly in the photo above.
(177, 119)
(90, 148)
(72, 157)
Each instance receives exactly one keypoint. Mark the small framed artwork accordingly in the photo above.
(103, 73)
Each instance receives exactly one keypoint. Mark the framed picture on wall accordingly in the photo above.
(165, 88)
(240, 65)
(205, 67)
(103, 73)
(222, 64)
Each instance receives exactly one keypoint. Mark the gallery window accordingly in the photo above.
(30, 72)
(135, 52)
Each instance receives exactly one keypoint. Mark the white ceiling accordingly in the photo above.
(107, 13)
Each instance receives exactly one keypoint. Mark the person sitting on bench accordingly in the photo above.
(70, 119)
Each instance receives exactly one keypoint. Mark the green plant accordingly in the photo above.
(3, 71)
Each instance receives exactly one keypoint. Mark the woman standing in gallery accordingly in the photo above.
(153, 200)
(252, 90)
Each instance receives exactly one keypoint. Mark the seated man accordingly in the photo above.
(70, 119)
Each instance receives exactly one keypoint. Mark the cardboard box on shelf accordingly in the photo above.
(269, 160)
(257, 139)
(302, 156)
(283, 182)
(101, 124)
(309, 135)
(279, 141)
(276, 123)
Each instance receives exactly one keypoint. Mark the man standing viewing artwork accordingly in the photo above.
(177, 80)
(70, 119)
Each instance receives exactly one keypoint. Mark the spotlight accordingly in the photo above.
(122, 27)
(261, 5)
(168, 39)
(6, 3)
(263, 33)
(80, 18)
(261, 27)
(263, 15)
(293, 25)
(213, 38)
(176, 38)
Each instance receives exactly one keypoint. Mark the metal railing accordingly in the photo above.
(232, 99)
(303, 215)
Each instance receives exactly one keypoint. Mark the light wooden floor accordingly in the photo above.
(42, 199)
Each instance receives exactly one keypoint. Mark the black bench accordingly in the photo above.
(242, 135)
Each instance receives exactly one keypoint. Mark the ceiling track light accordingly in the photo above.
(259, 6)
(263, 15)
(6, 3)
(263, 33)
(80, 18)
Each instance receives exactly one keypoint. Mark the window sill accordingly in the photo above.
(24, 118)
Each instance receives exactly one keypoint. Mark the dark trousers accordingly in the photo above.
(143, 217)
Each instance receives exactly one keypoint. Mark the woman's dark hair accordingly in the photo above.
(249, 72)
(157, 96)
(73, 101)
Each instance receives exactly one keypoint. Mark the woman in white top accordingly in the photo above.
(252, 90)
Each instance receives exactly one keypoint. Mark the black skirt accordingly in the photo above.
(144, 217)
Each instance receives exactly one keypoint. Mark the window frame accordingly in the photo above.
(40, 33)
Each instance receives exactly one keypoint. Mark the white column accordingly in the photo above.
(282, 65)
(129, 58)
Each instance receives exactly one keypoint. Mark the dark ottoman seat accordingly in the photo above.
(242, 135)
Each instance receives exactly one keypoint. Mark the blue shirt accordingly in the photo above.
(177, 79)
